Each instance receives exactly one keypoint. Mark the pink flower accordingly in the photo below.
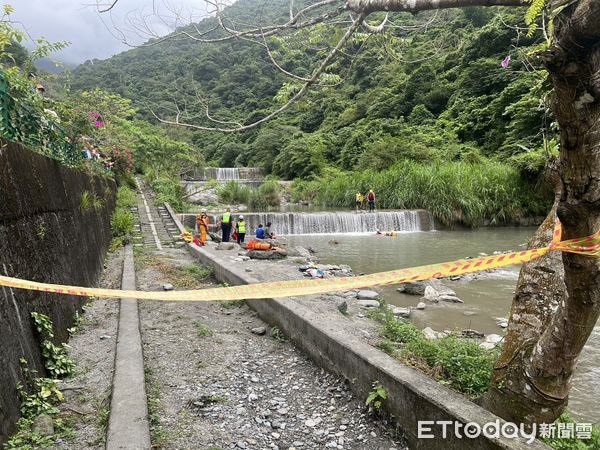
(99, 124)
(505, 62)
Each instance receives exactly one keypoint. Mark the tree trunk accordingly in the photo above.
(533, 376)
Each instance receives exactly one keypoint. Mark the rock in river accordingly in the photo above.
(367, 295)
(368, 303)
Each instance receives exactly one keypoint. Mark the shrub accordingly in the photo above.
(169, 190)
(122, 225)
(267, 195)
(234, 192)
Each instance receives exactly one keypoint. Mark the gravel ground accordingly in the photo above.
(87, 394)
(214, 384)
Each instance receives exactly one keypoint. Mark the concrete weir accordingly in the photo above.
(413, 397)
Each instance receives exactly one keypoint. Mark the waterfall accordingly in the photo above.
(227, 173)
(337, 222)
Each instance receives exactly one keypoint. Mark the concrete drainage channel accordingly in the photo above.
(128, 425)
(413, 397)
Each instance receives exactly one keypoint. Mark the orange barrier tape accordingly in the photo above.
(589, 246)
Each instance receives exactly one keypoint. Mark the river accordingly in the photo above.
(485, 298)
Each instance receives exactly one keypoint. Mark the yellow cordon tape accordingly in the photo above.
(589, 246)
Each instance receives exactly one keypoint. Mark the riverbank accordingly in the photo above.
(336, 331)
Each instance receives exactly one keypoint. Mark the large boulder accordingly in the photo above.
(368, 303)
(367, 295)
(431, 294)
(215, 237)
(413, 288)
(268, 254)
(429, 334)
(402, 312)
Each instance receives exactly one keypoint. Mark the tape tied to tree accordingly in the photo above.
(588, 246)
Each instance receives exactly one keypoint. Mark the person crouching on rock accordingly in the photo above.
(260, 232)
(202, 220)
(269, 232)
(226, 225)
(241, 230)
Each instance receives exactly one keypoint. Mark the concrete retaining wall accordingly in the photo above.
(412, 395)
(46, 237)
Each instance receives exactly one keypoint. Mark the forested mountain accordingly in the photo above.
(437, 93)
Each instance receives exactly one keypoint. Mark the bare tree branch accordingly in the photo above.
(341, 43)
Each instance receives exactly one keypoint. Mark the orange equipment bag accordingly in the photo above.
(255, 245)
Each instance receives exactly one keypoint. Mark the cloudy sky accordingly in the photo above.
(94, 35)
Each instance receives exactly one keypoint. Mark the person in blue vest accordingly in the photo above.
(226, 225)
(260, 232)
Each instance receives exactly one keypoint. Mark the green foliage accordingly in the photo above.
(126, 198)
(56, 361)
(122, 225)
(376, 397)
(267, 195)
(90, 201)
(169, 190)
(202, 330)
(425, 134)
(459, 363)
(277, 334)
(42, 400)
(559, 443)
(234, 192)
(533, 13)
(454, 192)
(123, 222)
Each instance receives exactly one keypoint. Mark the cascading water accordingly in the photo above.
(337, 222)
(227, 173)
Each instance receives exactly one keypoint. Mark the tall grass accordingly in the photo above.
(234, 192)
(462, 192)
(267, 195)
(123, 222)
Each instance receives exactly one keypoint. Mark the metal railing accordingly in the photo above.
(20, 122)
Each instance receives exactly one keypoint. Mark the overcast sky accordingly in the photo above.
(94, 35)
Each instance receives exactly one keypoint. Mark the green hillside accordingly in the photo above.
(434, 96)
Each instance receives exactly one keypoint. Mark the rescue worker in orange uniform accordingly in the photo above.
(202, 220)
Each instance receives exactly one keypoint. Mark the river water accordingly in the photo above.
(486, 298)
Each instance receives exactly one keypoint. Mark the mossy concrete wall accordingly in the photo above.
(45, 236)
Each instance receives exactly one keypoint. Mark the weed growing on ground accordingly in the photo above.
(41, 232)
(38, 396)
(231, 304)
(278, 335)
(574, 443)
(377, 397)
(123, 221)
(202, 330)
(56, 361)
(457, 362)
(158, 435)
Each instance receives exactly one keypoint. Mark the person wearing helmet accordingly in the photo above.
(241, 229)
(202, 220)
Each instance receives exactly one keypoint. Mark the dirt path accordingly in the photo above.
(87, 394)
(213, 383)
